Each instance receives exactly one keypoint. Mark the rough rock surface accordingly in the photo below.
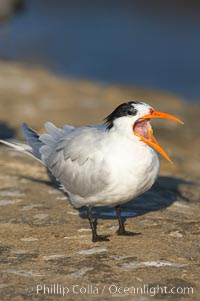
(45, 242)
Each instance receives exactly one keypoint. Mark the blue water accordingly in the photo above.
(152, 44)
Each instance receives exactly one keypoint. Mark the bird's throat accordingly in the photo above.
(142, 129)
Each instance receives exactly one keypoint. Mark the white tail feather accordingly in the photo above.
(18, 146)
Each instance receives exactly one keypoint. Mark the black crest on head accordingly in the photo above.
(125, 109)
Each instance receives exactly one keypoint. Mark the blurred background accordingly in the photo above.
(153, 44)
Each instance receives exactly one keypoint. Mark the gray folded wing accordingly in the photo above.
(76, 158)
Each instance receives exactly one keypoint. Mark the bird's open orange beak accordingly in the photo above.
(157, 114)
(151, 140)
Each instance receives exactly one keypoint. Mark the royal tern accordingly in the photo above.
(105, 165)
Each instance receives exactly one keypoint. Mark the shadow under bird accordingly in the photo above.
(103, 165)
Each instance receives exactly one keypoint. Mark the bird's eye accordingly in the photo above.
(131, 112)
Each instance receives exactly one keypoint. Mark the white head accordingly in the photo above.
(132, 119)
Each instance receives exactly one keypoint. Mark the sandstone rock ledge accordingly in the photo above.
(44, 241)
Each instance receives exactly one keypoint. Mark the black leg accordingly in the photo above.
(122, 230)
(93, 225)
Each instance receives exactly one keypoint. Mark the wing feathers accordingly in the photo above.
(55, 132)
(75, 156)
(32, 138)
(48, 140)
